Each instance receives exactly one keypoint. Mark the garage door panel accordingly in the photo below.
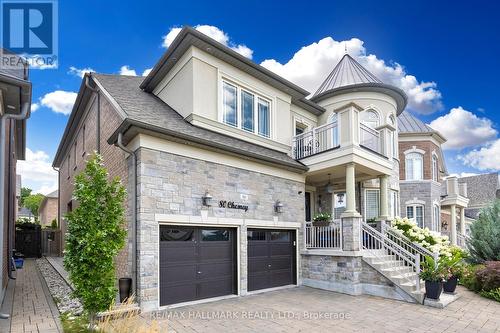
(271, 258)
(196, 263)
(176, 274)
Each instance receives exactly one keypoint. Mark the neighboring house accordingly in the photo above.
(426, 195)
(225, 161)
(482, 190)
(49, 208)
(15, 104)
(24, 213)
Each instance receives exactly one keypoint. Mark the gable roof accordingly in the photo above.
(143, 110)
(53, 195)
(188, 37)
(350, 76)
(347, 72)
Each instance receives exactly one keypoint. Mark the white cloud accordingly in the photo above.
(485, 158)
(59, 101)
(79, 71)
(34, 107)
(464, 129)
(147, 71)
(463, 174)
(213, 32)
(126, 70)
(36, 172)
(310, 66)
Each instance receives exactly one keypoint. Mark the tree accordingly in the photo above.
(25, 192)
(484, 242)
(32, 202)
(95, 236)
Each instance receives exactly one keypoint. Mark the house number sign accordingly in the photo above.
(232, 205)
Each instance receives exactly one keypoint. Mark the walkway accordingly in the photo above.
(308, 310)
(32, 308)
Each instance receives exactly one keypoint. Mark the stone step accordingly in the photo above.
(397, 270)
(405, 277)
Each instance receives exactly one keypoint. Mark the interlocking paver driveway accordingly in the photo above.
(292, 310)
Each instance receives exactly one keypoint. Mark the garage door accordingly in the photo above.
(196, 263)
(271, 258)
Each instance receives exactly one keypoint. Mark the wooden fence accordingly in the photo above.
(51, 243)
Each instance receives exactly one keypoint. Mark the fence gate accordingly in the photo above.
(51, 242)
(28, 241)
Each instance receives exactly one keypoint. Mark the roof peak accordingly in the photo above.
(347, 72)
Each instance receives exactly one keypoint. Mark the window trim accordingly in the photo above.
(239, 110)
(435, 167)
(414, 209)
(436, 221)
(421, 158)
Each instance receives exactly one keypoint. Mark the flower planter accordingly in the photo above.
(125, 287)
(450, 285)
(433, 289)
(321, 223)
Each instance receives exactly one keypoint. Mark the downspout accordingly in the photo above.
(3, 120)
(98, 120)
(133, 156)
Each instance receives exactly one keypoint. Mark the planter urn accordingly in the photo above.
(450, 285)
(433, 289)
(125, 288)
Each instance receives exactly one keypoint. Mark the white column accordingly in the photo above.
(462, 221)
(383, 202)
(350, 187)
(453, 227)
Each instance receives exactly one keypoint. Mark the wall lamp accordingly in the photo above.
(207, 199)
(278, 207)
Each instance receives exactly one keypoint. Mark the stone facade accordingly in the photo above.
(173, 186)
(426, 193)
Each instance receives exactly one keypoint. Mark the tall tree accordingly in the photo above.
(95, 235)
(32, 202)
(25, 192)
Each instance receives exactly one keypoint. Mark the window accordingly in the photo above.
(176, 234)
(69, 164)
(256, 235)
(245, 110)
(435, 168)
(416, 212)
(230, 102)
(335, 129)
(437, 218)
(393, 203)
(74, 155)
(215, 235)
(83, 140)
(372, 204)
(394, 145)
(280, 236)
(370, 118)
(414, 166)
(263, 117)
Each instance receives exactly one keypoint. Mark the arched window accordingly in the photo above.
(335, 129)
(435, 168)
(414, 166)
(436, 223)
(370, 118)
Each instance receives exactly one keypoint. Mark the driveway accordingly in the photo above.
(305, 309)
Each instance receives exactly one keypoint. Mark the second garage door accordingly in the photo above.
(271, 258)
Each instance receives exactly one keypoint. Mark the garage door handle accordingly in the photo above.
(199, 272)
(269, 265)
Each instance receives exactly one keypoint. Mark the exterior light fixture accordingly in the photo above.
(207, 199)
(329, 187)
(278, 207)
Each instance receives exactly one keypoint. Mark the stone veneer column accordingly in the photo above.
(351, 219)
(383, 203)
(453, 230)
(462, 221)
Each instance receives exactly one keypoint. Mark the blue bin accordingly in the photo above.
(19, 263)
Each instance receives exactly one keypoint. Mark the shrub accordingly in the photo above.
(469, 279)
(493, 294)
(484, 242)
(488, 276)
(53, 224)
(95, 235)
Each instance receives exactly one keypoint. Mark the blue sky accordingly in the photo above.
(447, 54)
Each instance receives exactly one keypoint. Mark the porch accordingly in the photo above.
(453, 205)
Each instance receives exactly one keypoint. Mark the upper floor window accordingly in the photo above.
(416, 212)
(436, 223)
(246, 110)
(435, 168)
(414, 166)
(370, 118)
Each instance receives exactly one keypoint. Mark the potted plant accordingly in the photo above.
(453, 269)
(432, 274)
(322, 219)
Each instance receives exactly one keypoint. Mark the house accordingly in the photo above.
(226, 164)
(25, 214)
(15, 104)
(48, 210)
(482, 190)
(427, 193)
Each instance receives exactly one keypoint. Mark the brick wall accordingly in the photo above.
(426, 146)
(114, 160)
(48, 212)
